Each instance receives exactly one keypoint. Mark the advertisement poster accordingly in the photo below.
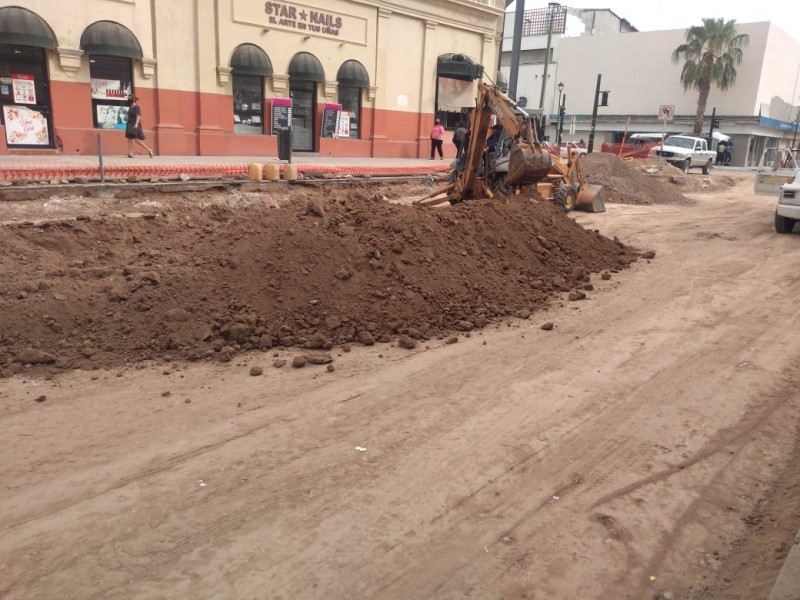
(25, 127)
(330, 120)
(109, 89)
(24, 89)
(281, 114)
(344, 125)
(111, 117)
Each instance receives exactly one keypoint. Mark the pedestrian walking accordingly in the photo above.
(458, 138)
(133, 129)
(437, 139)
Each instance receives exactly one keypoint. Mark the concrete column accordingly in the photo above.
(427, 90)
(380, 116)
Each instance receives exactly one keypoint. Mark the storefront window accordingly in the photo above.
(350, 99)
(25, 97)
(112, 88)
(248, 104)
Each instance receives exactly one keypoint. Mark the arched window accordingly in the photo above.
(111, 48)
(353, 78)
(250, 65)
(25, 39)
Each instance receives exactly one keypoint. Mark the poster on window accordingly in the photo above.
(112, 117)
(330, 119)
(344, 125)
(109, 89)
(24, 89)
(25, 127)
(281, 114)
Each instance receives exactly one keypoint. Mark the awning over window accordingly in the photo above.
(306, 67)
(21, 27)
(458, 66)
(352, 73)
(110, 39)
(249, 59)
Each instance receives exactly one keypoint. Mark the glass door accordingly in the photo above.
(304, 109)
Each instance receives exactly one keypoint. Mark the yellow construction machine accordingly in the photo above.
(513, 161)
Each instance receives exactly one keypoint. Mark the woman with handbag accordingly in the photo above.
(133, 130)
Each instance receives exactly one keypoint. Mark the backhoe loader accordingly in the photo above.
(516, 161)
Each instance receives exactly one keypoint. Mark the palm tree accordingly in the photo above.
(711, 54)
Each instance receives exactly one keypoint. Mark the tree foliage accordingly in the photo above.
(710, 56)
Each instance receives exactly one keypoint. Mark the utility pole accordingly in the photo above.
(561, 110)
(516, 47)
(594, 114)
(552, 7)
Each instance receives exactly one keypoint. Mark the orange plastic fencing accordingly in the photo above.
(631, 150)
(40, 172)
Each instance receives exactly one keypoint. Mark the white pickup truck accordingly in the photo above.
(686, 152)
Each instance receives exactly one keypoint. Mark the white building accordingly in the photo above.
(638, 72)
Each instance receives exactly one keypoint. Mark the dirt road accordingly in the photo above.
(616, 456)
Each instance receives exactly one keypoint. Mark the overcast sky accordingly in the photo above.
(651, 15)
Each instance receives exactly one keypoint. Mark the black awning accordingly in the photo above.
(458, 66)
(352, 73)
(306, 67)
(22, 27)
(249, 59)
(110, 39)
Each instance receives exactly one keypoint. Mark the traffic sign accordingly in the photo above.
(666, 112)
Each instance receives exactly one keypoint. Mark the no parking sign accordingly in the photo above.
(666, 112)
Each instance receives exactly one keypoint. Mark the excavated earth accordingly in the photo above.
(327, 268)
(648, 181)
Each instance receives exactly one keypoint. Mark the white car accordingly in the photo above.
(788, 211)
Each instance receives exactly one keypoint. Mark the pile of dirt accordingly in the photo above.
(206, 282)
(624, 182)
(649, 180)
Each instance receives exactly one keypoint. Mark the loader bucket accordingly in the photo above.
(528, 165)
(590, 198)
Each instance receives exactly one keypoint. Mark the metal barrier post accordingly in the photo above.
(100, 158)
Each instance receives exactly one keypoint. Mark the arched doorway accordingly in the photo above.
(24, 79)
(305, 72)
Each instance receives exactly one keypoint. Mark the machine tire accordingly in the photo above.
(499, 187)
(707, 166)
(687, 164)
(784, 224)
(566, 197)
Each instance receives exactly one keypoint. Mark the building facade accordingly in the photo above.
(223, 77)
(760, 110)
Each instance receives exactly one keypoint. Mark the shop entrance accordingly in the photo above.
(25, 97)
(304, 109)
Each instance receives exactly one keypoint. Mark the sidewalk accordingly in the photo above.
(787, 586)
(68, 167)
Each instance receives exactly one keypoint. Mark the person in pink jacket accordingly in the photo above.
(437, 139)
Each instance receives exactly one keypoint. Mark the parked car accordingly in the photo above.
(787, 212)
(686, 152)
(565, 148)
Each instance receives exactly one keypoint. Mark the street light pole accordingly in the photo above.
(594, 113)
(561, 112)
(560, 87)
(552, 7)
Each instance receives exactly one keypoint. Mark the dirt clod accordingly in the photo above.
(256, 371)
(547, 326)
(649, 254)
(41, 398)
(406, 342)
(278, 363)
(32, 356)
(298, 362)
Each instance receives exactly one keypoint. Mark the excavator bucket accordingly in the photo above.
(528, 164)
(590, 198)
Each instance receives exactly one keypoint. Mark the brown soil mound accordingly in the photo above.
(625, 183)
(208, 281)
(688, 183)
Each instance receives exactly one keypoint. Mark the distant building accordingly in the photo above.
(636, 67)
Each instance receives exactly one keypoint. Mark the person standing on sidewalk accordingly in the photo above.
(458, 138)
(437, 139)
(133, 130)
